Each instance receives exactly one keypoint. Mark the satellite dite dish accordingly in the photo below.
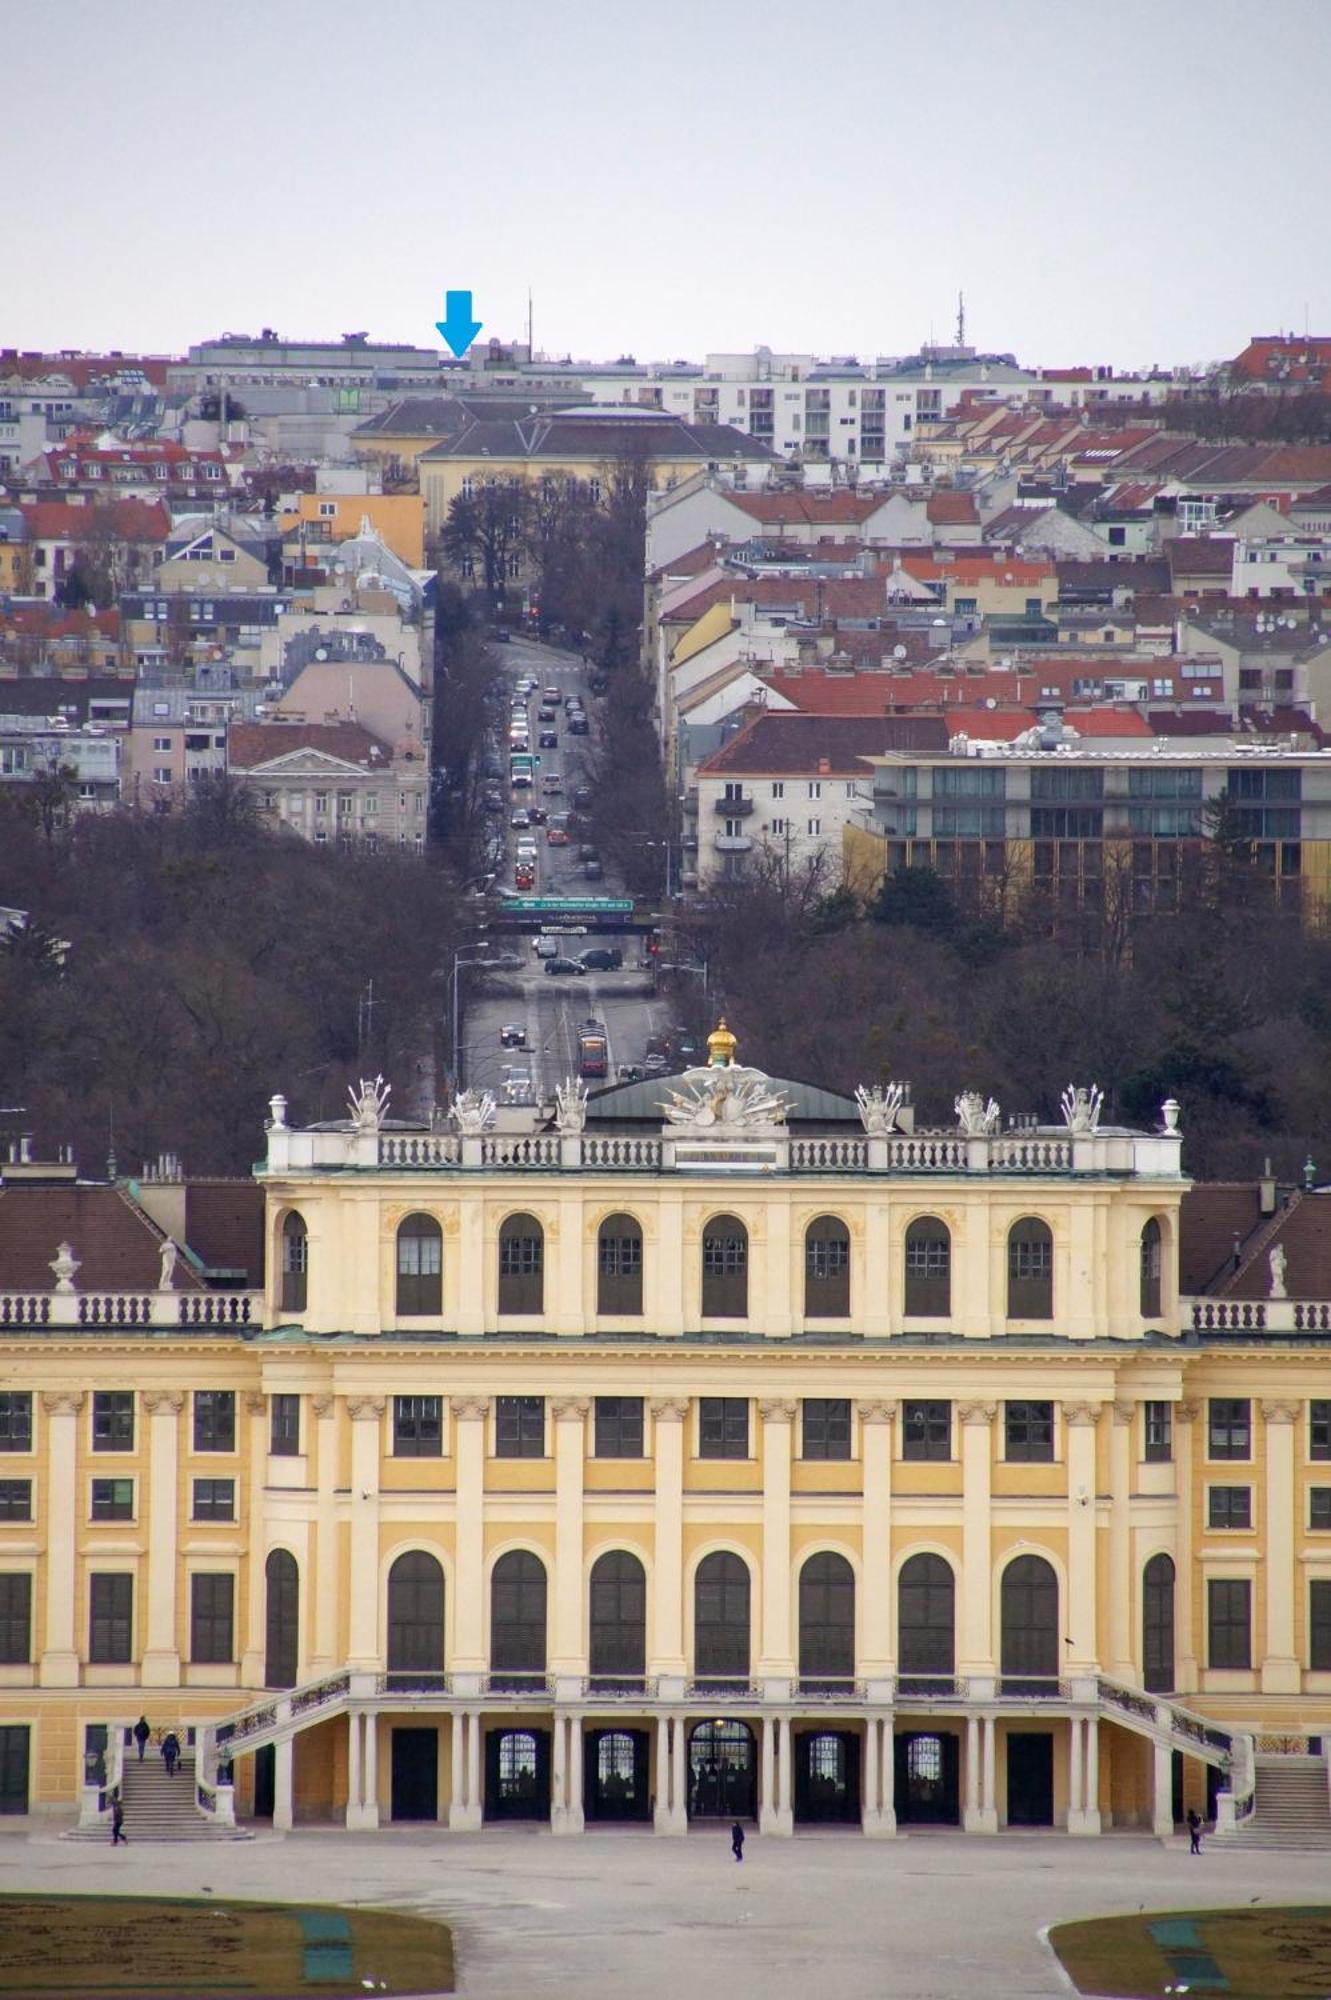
(898, 652)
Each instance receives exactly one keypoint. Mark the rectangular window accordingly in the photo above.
(926, 1431)
(1159, 1443)
(1319, 1627)
(779, 789)
(815, 788)
(1319, 1430)
(15, 1499)
(15, 1619)
(113, 1420)
(618, 1427)
(113, 1499)
(214, 1420)
(214, 1500)
(815, 827)
(826, 1427)
(212, 1603)
(417, 1427)
(1229, 1622)
(723, 1427)
(110, 1618)
(1319, 1507)
(1229, 1427)
(1029, 1432)
(15, 1420)
(519, 1426)
(284, 1436)
(1229, 1507)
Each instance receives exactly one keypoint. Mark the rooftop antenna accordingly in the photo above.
(961, 319)
(531, 351)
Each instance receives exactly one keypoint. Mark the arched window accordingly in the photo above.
(1158, 1625)
(420, 1263)
(517, 1616)
(928, 1269)
(282, 1627)
(618, 1649)
(1029, 1661)
(721, 1618)
(827, 1268)
(827, 1619)
(1030, 1270)
(295, 1263)
(1150, 1269)
(725, 1269)
(416, 1615)
(926, 1625)
(619, 1265)
(521, 1265)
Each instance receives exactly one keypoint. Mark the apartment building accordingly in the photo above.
(333, 783)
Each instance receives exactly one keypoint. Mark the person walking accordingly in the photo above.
(737, 1841)
(1194, 1831)
(141, 1735)
(171, 1752)
(118, 1823)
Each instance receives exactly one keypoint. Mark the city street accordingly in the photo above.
(551, 1010)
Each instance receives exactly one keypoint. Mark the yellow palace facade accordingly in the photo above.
(714, 1448)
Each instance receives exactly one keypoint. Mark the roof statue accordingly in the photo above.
(721, 1046)
(570, 1106)
(879, 1107)
(170, 1252)
(64, 1264)
(369, 1103)
(473, 1111)
(732, 1098)
(1081, 1107)
(1277, 1262)
(977, 1118)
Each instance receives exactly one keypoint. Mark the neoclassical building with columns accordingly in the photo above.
(713, 1447)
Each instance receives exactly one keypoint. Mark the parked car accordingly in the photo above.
(546, 947)
(602, 958)
(557, 836)
(512, 1035)
(592, 871)
(561, 966)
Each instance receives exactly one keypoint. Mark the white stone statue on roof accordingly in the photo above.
(1081, 1107)
(570, 1106)
(1277, 1261)
(977, 1119)
(728, 1097)
(879, 1107)
(169, 1253)
(369, 1103)
(473, 1112)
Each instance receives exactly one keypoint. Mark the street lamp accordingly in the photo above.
(460, 959)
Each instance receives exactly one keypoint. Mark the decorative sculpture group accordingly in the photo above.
(879, 1107)
(977, 1118)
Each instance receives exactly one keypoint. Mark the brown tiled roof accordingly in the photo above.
(117, 1245)
(1196, 556)
(1212, 1216)
(952, 510)
(1302, 1228)
(253, 743)
(224, 1227)
(822, 745)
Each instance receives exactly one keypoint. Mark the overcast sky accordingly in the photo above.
(1135, 182)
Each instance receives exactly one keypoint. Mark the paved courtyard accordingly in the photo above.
(624, 1916)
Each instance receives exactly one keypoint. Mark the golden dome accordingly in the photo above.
(721, 1047)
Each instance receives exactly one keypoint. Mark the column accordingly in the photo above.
(1075, 1783)
(60, 1660)
(353, 1768)
(470, 1415)
(877, 1429)
(869, 1778)
(1079, 1421)
(1121, 1593)
(370, 1770)
(1091, 1775)
(977, 1653)
(283, 1804)
(887, 1779)
(573, 1812)
(474, 1807)
(775, 1659)
(971, 1809)
(668, 1414)
(366, 1414)
(767, 1791)
(567, 1658)
(1280, 1667)
(784, 1822)
(321, 1582)
(252, 1654)
(989, 1809)
(1162, 1791)
(464, 1812)
(679, 1778)
(1185, 1640)
(558, 1775)
(457, 1769)
(161, 1659)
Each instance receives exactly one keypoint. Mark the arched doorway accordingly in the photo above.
(619, 1266)
(1158, 1625)
(521, 1265)
(723, 1771)
(1029, 1615)
(928, 1269)
(827, 1623)
(517, 1774)
(617, 1774)
(926, 1626)
(617, 1650)
(721, 1617)
(282, 1620)
(416, 1619)
(826, 1268)
(517, 1622)
(827, 1777)
(725, 1268)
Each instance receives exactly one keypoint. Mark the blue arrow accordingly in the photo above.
(457, 326)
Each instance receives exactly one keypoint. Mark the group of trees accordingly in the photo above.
(1234, 415)
(1221, 1003)
(175, 971)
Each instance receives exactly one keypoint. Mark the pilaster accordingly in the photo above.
(322, 1582)
(668, 1416)
(59, 1666)
(366, 1413)
(1079, 1423)
(1185, 1621)
(1281, 1673)
(776, 1660)
(470, 1415)
(570, 1421)
(877, 1430)
(161, 1658)
(252, 1660)
(977, 1651)
(1119, 1553)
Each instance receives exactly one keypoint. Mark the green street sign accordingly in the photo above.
(569, 906)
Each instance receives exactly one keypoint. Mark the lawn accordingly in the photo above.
(1268, 1953)
(160, 1948)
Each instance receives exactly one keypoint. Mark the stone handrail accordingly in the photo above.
(621, 1151)
(25, 1308)
(539, 1151)
(94, 1311)
(722, 1687)
(838, 1156)
(1029, 1153)
(927, 1152)
(620, 1687)
(419, 1149)
(1229, 1315)
(1257, 1315)
(1162, 1717)
(277, 1712)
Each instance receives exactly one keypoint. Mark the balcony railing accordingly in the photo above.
(722, 1688)
(732, 808)
(53, 1311)
(732, 843)
(619, 1687)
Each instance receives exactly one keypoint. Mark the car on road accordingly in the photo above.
(589, 852)
(552, 784)
(545, 713)
(582, 798)
(524, 878)
(561, 966)
(504, 961)
(547, 739)
(577, 726)
(546, 947)
(499, 637)
(520, 818)
(536, 814)
(655, 1064)
(550, 694)
(557, 836)
(629, 1073)
(512, 1035)
(602, 958)
(592, 871)
(517, 1087)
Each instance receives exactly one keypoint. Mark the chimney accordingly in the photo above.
(1266, 1189)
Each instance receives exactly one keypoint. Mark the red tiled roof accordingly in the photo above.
(822, 745)
(807, 509)
(1198, 556)
(51, 621)
(952, 510)
(129, 520)
(253, 743)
